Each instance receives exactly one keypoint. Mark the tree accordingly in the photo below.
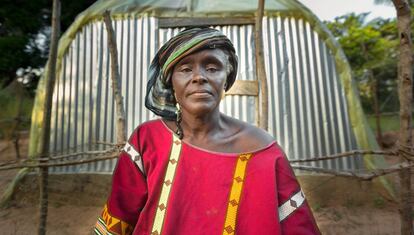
(25, 34)
(405, 84)
(19, 27)
(371, 48)
(376, 47)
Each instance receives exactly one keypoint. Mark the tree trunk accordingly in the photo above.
(405, 75)
(260, 67)
(16, 139)
(116, 80)
(377, 109)
(45, 137)
(17, 120)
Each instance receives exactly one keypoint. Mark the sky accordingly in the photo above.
(329, 9)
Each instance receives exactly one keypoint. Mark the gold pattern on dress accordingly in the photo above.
(107, 224)
(166, 186)
(235, 193)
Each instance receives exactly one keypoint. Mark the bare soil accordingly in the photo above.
(75, 202)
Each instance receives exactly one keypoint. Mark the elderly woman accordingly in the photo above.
(196, 170)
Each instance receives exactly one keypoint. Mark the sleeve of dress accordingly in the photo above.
(127, 196)
(295, 216)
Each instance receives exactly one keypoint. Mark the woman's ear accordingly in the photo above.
(175, 96)
(173, 92)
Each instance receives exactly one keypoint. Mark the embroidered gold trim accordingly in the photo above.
(166, 186)
(235, 192)
(108, 224)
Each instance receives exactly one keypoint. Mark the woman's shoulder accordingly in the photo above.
(258, 134)
(251, 136)
(147, 127)
(153, 123)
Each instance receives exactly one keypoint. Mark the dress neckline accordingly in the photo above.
(255, 151)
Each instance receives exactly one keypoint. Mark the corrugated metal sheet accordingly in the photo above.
(308, 113)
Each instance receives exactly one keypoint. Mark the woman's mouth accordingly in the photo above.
(201, 93)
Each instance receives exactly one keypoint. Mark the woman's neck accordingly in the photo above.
(200, 126)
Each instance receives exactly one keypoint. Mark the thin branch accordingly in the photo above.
(108, 143)
(366, 176)
(10, 162)
(346, 154)
(409, 156)
(65, 163)
(83, 153)
(410, 148)
(79, 147)
(61, 157)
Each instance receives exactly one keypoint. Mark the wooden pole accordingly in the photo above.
(47, 109)
(405, 84)
(377, 110)
(17, 120)
(116, 80)
(260, 67)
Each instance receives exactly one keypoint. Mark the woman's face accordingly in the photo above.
(198, 80)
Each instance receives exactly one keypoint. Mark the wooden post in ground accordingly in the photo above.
(377, 110)
(116, 80)
(47, 109)
(17, 120)
(260, 68)
(405, 85)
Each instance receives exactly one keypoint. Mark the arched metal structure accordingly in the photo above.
(313, 109)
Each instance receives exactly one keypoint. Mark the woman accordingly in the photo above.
(196, 170)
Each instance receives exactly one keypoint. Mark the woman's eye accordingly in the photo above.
(211, 69)
(185, 70)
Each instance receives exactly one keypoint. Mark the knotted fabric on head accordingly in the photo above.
(160, 95)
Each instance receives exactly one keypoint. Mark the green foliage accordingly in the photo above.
(387, 122)
(11, 53)
(25, 33)
(371, 48)
(9, 103)
(316, 207)
(379, 202)
(20, 22)
(337, 216)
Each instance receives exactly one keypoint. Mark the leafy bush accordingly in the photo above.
(9, 106)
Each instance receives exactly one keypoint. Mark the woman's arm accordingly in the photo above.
(128, 193)
(295, 216)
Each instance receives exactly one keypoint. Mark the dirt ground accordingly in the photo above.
(73, 206)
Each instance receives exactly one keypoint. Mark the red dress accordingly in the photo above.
(200, 191)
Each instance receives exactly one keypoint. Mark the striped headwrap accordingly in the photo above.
(160, 95)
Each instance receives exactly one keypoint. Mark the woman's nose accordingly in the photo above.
(199, 76)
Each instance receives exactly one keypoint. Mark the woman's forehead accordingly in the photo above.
(205, 54)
